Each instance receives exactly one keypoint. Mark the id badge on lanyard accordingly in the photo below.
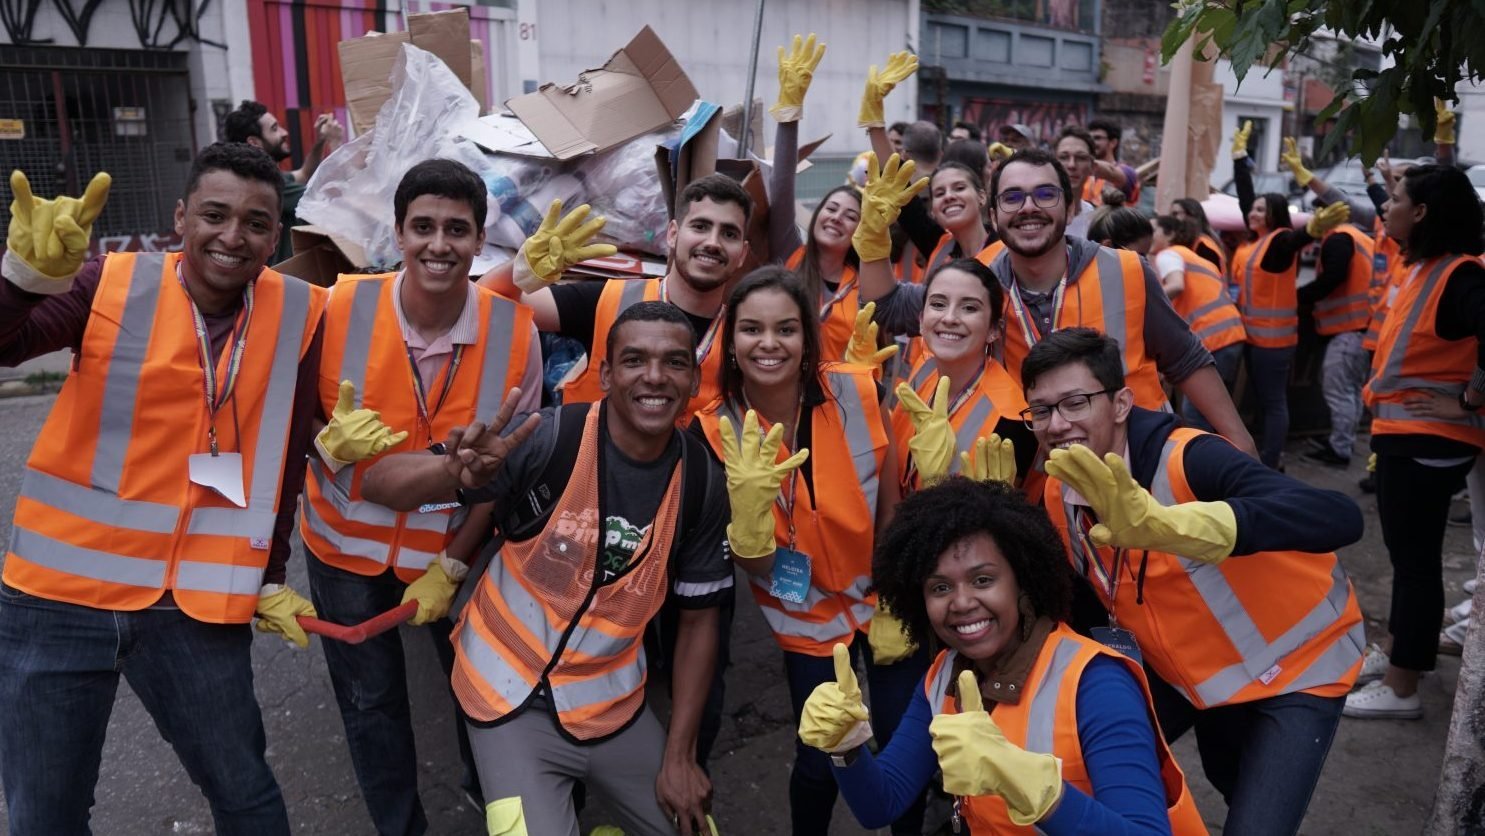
(1113, 636)
(215, 470)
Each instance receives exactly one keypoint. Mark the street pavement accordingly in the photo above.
(1379, 780)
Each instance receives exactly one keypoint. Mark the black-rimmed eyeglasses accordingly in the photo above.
(1044, 197)
(1072, 408)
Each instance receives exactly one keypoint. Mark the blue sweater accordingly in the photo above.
(1118, 742)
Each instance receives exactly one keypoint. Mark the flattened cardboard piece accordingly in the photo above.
(446, 35)
(366, 63)
(640, 89)
(694, 156)
(365, 69)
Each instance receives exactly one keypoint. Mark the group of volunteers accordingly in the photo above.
(935, 436)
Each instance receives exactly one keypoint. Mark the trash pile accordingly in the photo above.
(625, 138)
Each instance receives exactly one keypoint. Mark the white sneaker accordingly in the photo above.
(1378, 701)
(1469, 586)
(1459, 612)
(1373, 665)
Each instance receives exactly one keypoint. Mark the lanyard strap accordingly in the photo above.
(425, 415)
(1023, 315)
(704, 345)
(1107, 577)
(841, 290)
(214, 396)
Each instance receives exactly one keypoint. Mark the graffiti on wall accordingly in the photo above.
(1047, 119)
(158, 24)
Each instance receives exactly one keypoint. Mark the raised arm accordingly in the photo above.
(796, 70)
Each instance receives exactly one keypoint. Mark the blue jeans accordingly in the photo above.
(370, 683)
(1227, 358)
(1264, 756)
(812, 788)
(1268, 368)
(59, 671)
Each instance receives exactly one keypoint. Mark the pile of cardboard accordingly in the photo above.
(639, 90)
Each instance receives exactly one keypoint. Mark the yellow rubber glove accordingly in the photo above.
(753, 479)
(556, 245)
(354, 435)
(862, 349)
(889, 642)
(1295, 163)
(932, 444)
(990, 459)
(834, 718)
(900, 65)
(506, 817)
(796, 69)
(1371, 463)
(434, 592)
(1240, 140)
(1327, 218)
(278, 610)
(976, 759)
(1443, 132)
(1000, 151)
(888, 189)
(48, 239)
(1129, 517)
(610, 830)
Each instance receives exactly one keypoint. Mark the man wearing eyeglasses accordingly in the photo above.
(1214, 573)
(1054, 281)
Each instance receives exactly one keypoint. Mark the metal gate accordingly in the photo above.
(68, 113)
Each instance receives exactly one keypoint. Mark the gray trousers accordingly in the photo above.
(529, 758)
(1342, 378)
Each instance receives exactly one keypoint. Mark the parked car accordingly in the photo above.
(1349, 178)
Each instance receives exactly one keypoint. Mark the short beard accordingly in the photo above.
(1056, 239)
(701, 286)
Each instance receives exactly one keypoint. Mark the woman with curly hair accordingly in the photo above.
(1071, 746)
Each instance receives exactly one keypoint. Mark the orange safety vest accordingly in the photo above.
(1093, 191)
(1205, 305)
(1215, 246)
(1251, 627)
(108, 517)
(1348, 308)
(1109, 295)
(1388, 273)
(1045, 721)
(995, 397)
(1412, 357)
(537, 622)
(848, 449)
(618, 296)
(364, 344)
(1268, 301)
(906, 268)
(838, 310)
(944, 253)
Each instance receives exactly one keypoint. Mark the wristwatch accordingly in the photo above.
(844, 759)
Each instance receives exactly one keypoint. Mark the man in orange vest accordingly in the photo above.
(1108, 172)
(708, 246)
(1212, 569)
(549, 667)
(1342, 309)
(1055, 281)
(155, 510)
(408, 356)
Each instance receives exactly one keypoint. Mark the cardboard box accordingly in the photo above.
(640, 89)
(366, 63)
(320, 256)
(693, 156)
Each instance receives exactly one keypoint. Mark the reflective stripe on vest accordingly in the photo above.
(1215, 319)
(538, 620)
(114, 517)
(1348, 306)
(1259, 655)
(334, 517)
(1268, 327)
(973, 417)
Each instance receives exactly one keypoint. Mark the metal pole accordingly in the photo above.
(747, 114)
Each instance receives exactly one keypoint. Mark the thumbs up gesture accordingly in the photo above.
(834, 718)
(354, 435)
(977, 759)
